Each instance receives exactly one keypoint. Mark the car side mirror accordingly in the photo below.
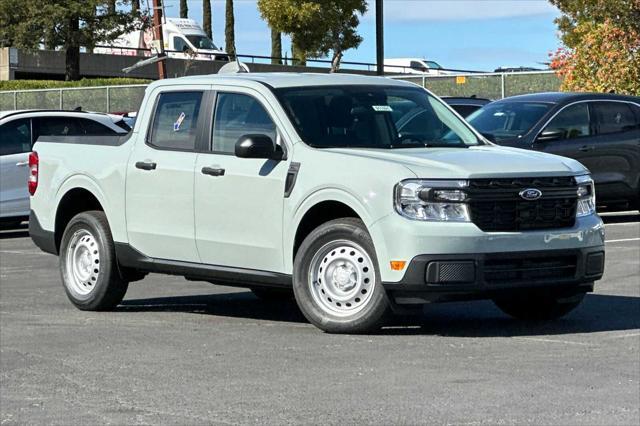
(550, 135)
(258, 146)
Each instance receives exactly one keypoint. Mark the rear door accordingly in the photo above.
(160, 172)
(239, 208)
(576, 140)
(616, 155)
(15, 145)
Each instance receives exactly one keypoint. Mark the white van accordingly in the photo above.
(183, 39)
(413, 66)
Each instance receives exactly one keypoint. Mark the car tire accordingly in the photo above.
(539, 307)
(336, 279)
(273, 294)
(88, 265)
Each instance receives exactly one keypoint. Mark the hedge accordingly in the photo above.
(57, 84)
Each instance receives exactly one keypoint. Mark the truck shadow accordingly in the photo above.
(598, 313)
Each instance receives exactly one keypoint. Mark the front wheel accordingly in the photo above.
(336, 279)
(539, 307)
(88, 263)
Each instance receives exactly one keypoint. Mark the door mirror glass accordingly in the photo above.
(550, 135)
(257, 146)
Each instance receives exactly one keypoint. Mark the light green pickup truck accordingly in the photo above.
(363, 196)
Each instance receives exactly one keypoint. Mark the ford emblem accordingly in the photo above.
(530, 194)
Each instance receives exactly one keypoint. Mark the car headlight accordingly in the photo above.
(586, 196)
(432, 200)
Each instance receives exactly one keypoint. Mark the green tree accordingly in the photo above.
(317, 27)
(601, 45)
(184, 9)
(229, 29)
(625, 13)
(68, 24)
(206, 18)
(276, 47)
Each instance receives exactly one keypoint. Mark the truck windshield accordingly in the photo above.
(503, 121)
(201, 42)
(373, 117)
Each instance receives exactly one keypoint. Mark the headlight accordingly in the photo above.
(432, 200)
(586, 196)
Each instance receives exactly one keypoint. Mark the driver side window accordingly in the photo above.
(572, 122)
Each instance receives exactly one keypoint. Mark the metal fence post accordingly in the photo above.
(502, 85)
(108, 100)
(61, 104)
(424, 81)
(15, 100)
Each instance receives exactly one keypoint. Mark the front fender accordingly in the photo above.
(340, 195)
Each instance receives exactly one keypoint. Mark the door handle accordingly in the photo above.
(212, 171)
(585, 148)
(22, 163)
(146, 165)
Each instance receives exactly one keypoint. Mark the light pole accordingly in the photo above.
(157, 35)
(379, 37)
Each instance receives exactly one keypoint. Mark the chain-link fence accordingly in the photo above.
(487, 85)
(98, 99)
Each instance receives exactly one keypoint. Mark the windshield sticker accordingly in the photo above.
(178, 123)
(382, 108)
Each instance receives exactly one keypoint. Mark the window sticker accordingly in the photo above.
(178, 123)
(382, 108)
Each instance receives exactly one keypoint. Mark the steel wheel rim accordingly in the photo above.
(82, 262)
(341, 278)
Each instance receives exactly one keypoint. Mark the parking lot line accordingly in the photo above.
(622, 240)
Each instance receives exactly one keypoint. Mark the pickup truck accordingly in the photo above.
(363, 196)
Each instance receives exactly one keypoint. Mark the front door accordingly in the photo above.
(239, 201)
(160, 174)
(15, 145)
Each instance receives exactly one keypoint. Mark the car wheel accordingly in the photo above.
(88, 263)
(336, 279)
(273, 294)
(539, 307)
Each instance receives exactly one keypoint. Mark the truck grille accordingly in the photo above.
(496, 204)
(532, 268)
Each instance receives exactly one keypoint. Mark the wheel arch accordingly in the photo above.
(321, 207)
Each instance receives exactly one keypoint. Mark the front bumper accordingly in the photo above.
(440, 278)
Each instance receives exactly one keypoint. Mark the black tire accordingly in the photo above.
(273, 294)
(372, 314)
(539, 307)
(106, 288)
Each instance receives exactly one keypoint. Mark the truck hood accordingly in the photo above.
(473, 162)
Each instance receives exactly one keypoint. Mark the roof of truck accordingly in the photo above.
(287, 79)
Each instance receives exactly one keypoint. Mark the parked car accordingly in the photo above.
(414, 66)
(301, 181)
(602, 131)
(18, 132)
(465, 106)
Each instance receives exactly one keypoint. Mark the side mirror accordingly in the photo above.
(258, 146)
(550, 135)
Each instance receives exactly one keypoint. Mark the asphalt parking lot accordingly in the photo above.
(179, 352)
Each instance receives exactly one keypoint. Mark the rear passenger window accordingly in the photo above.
(614, 117)
(175, 122)
(59, 126)
(236, 116)
(15, 137)
(93, 128)
(572, 121)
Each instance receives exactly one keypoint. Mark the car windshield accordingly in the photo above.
(501, 121)
(373, 117)
(202, 42)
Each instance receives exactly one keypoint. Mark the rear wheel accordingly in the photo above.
(88, 263)
(539, 307)
(336, 279)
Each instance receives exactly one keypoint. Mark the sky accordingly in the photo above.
(458, 34)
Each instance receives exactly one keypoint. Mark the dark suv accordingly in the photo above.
(602, 131)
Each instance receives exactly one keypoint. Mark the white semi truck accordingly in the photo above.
(183, 39)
